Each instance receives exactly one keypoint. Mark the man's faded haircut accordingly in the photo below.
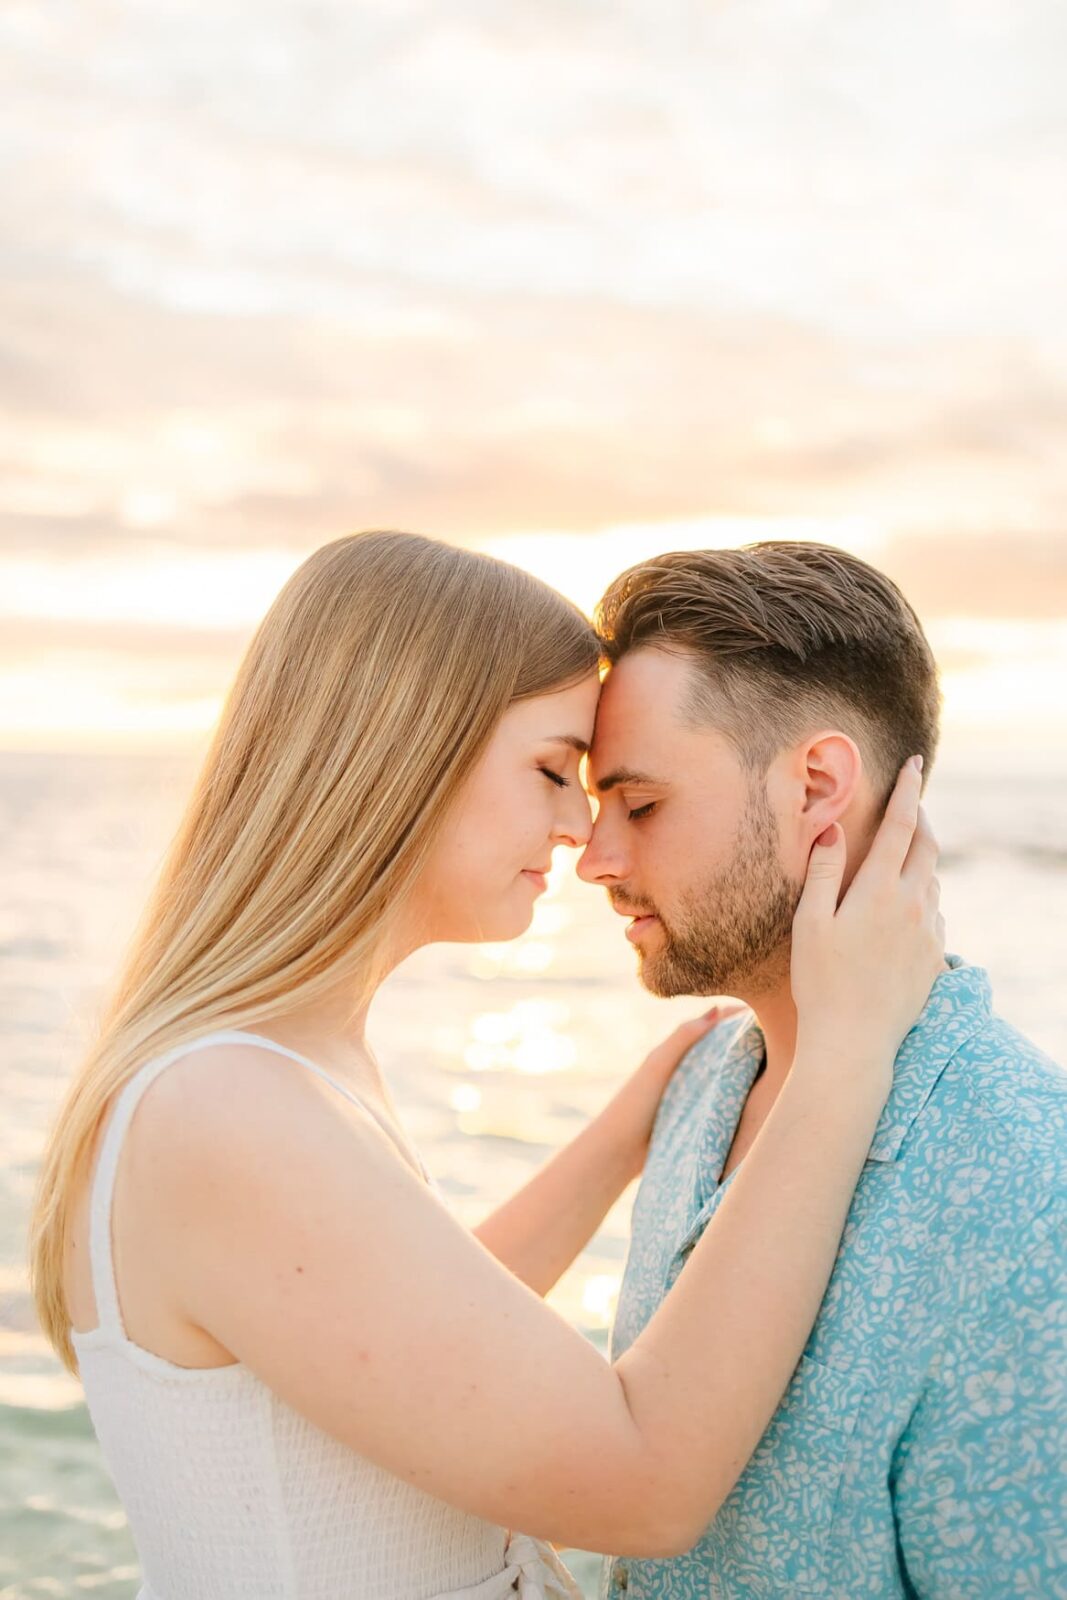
(786, 636)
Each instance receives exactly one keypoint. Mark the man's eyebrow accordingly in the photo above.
(627, 775)
(572, 739)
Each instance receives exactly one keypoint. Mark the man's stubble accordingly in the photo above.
(732, 932)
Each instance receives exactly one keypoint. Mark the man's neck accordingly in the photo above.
(776, 1014)
(777, 1018)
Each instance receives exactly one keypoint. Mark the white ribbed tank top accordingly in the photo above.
(231, 1494)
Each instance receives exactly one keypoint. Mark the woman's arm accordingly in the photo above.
(297, 1238)
(538, 1232)
(706, 1375)
(294, 1234)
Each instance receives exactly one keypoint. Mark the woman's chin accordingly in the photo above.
(498, 926)
(507, 928)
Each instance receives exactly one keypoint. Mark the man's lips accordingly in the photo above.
(642, 920)
(629, 911)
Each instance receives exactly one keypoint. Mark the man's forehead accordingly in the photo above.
(630, 743)
(640, 729)
(651, 670)
(640, 693)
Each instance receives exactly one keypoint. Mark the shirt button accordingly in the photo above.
(621, 1575)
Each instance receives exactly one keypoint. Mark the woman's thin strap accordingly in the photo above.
(101, 1198)
(342, 1088)
(101, 1263)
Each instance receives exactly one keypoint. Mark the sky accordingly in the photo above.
(575, 283)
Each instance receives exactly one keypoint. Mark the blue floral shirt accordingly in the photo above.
(921, 1446)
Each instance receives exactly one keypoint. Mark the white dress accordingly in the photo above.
(231, 1494)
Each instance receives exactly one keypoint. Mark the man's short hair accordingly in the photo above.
(786, 635)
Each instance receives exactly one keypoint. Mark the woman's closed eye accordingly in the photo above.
(554, 777)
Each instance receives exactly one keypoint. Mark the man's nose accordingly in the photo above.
(599, 862)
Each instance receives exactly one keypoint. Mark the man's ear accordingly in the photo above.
(828, 773)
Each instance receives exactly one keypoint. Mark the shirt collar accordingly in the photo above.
(735, 1072)
(959, 1005)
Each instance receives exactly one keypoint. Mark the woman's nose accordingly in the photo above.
(576, 826)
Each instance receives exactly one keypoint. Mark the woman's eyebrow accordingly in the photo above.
(572, 739)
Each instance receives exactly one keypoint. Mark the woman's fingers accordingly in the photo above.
(687, 1033)
(697, 1026)
(826, 868)
(664, 1057)
(720, 1012)
(889, 851)
(923, 853)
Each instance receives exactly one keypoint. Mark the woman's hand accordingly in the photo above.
(638, 1100)
(862, 970)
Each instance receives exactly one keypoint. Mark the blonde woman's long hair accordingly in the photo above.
(363, 702)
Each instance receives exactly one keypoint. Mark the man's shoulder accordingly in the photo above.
(699, 1074)
(1001, 1105)
(1015, 1081)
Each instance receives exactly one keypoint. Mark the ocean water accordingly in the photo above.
(496, 1056)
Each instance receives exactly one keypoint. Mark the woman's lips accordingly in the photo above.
(538, 878)
(639, 926)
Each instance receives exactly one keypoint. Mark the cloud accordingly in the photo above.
(24, 639)
(318, 268)
(981, 577)
(125, 420)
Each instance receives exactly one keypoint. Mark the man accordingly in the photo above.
(754, 697)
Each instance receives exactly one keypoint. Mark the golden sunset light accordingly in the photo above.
(572, 285)
(610, 314)
(118, 651)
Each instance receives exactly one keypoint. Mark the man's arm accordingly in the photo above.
(980, 1480)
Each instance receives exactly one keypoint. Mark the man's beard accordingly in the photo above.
(731, 933)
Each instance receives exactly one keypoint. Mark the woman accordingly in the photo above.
(320, 1383)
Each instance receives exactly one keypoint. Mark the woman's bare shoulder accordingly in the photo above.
(211, 1104)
